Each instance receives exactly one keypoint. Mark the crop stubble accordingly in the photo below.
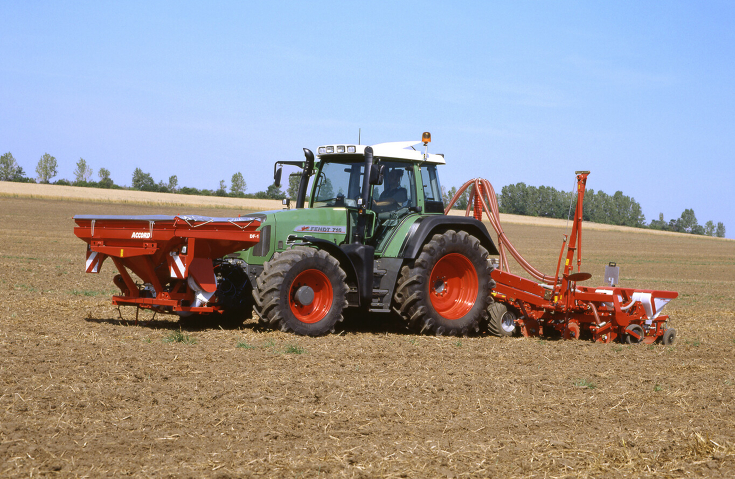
(83, 392)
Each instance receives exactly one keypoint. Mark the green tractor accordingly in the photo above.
(374, 237)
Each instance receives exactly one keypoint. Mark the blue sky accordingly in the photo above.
(640, 93)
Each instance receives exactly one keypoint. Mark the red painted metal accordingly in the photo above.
(172, 255)
(323, 296)
(453, 286)
(558, 305)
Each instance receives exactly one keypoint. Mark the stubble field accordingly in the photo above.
(84, 392)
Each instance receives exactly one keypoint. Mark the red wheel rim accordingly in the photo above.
(323, 296)
(453, 286)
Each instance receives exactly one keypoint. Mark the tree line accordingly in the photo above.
(599, 207)
(518, 199)
(47, 169)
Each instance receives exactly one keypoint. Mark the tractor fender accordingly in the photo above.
(355, 259)
(425, 227)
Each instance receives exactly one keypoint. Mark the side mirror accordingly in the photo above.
(277, 176)
(376, 174)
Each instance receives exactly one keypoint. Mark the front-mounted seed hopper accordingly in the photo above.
(174, 257)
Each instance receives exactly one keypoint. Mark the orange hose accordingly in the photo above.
(482, 196)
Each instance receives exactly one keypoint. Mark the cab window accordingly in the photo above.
(433, 202)
(398, 189)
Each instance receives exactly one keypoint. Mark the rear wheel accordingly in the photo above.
(502, 321)
(446, 290)
(301, 290)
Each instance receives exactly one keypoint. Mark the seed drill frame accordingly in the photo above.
(559, 304)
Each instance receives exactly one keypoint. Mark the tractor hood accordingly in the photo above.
(280, 227)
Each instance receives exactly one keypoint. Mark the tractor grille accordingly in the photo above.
(263, 246)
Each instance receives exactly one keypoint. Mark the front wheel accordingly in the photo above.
(301, 290)
(446, 290)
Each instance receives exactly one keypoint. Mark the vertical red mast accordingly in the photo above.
(575, 239)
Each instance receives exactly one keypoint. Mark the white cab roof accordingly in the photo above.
(399, 150)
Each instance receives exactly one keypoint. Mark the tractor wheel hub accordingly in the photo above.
(304, 295)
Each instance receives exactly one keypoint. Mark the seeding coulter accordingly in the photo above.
(558, 304)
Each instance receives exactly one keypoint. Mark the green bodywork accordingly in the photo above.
(403, 211)
(386, 231)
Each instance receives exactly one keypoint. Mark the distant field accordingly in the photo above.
(85, 391)
(32, 190)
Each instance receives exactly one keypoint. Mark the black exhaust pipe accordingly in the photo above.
(305, 175)
(359, 235)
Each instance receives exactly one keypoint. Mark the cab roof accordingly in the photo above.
(398, 150)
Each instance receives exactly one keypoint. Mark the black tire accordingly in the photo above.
(420, 300)
(669, 337)
(637, 329)
(277, 301)
(234, 294)
(502, 320)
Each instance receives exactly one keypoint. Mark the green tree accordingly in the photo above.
(720, 231)
(675, 225)
(324, 192)
(143, 181)
(46, 168)
(293, 185)
(274, 192)
(222, 190)
(83, 172)
(618, 209)
(659, 224)
(551, 203)
(173, 183)
(514, 199)
(9, 169)
(237, 184)
(461, 203)
(105, 180)
(709, 228)
(687, 221)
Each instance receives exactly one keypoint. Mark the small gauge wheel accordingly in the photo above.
(669, 337)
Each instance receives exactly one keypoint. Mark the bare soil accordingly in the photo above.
(86, 392)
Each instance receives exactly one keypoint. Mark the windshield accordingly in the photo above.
(338, 184)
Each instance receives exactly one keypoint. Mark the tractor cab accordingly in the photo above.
(402, 181)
